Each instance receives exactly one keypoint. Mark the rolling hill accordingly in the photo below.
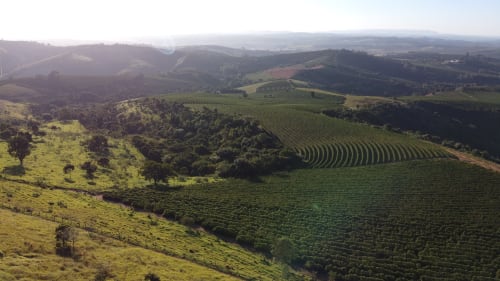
(212, 67)
(365, 195)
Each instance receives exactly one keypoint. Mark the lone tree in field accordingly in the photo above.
(19, 147)
(68, 169)
(151, 277)
(65, 234)
(156, 171)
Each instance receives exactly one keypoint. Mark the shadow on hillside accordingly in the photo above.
(255, 179)
(163, 187)
(16, 170)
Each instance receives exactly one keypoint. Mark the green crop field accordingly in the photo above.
(420, 220)
(432, 218)
(120, 223)
(322, 141)
(347, 154)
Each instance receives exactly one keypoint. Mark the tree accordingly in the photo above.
(68, 169)
(98, 144)
(103, 273)
(284, 250)
(156, 171)
(19, 147)
(65, 234)
(89, 169)
(151, 277)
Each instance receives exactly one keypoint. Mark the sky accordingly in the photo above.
(123, 19)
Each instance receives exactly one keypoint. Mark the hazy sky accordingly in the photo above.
(121, 19)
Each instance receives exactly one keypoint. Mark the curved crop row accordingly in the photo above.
(349, 154)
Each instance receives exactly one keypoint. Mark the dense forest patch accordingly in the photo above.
(458, 125)
(194, 142)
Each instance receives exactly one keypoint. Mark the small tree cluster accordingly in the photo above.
(89, 168)
(98, 144)
(65, 234)
(156, 171)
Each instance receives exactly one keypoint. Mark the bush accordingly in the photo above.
(201, 168)
(89, 168)
(98, 144)
(151, 277)
(103, 273)
(188, 221)
(104, 162)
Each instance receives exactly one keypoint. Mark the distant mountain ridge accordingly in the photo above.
(214, 67)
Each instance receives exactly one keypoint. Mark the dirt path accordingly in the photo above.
(468, 158)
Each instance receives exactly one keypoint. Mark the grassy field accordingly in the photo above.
(134, 228)
(62, 145)
(13, 92)
(259, 76)
(419, 220)
(252, 88)
(468, 99)
(28, 254)
(10, 110)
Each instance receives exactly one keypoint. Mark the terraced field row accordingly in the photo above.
(349, 154)
(326, 142)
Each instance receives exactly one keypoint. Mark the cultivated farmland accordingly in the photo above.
(322, 141)
(419, 220)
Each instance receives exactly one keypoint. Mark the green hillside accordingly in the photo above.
(28, 254)
(422, 220)
(322, 141)
(209, 163)
(129, 229)
(350, 72)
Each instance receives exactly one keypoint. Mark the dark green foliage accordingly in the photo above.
(7, 131)
(437, 121)
(195, 143)
(103, 162)
(98, 144)
(65, 234)
(19, 146)
(34, 127)
(390, 222)
(156, 171)
(68, 168)
(90, 168)
(103, 273)
(151, 277)
(362, 74)
(284, 250)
